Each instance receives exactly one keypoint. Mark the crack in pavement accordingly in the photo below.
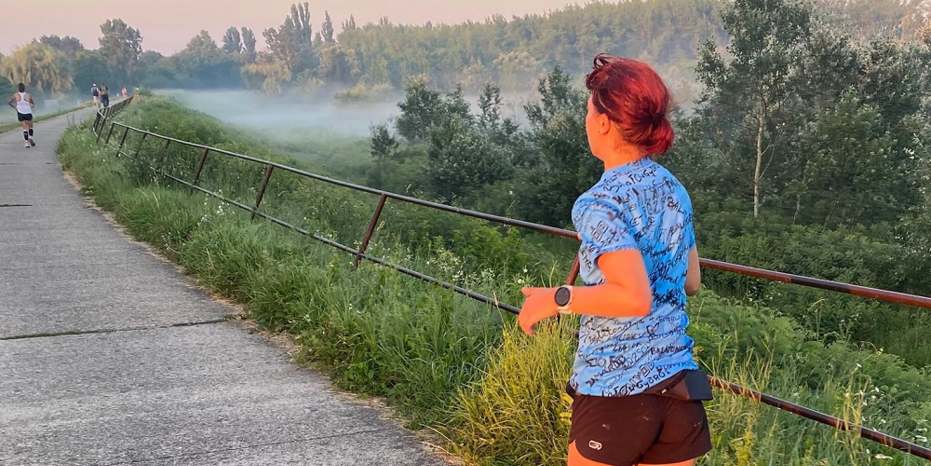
(113, 330)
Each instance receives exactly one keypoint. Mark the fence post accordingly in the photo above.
(96, 121)
(109, 133)
(574, 272)
(141, 142)
(261, 193)
(164, 155)
(200, 166)
(123, 140)
(370, 230)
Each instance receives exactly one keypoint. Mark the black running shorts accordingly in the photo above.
(630, 430)
(24, 116)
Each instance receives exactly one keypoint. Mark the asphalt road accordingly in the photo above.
(108, 355)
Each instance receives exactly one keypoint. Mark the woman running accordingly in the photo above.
(637, 390)
(23, 103)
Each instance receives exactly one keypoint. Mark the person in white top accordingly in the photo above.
(23, 103)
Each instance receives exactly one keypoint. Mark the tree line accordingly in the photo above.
(512, 52)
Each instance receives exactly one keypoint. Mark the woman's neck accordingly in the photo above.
(622, 156)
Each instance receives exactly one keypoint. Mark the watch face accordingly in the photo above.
(562, 296)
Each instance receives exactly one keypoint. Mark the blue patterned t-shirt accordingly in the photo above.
(641, 206)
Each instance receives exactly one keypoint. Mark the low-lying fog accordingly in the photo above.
(280, 117)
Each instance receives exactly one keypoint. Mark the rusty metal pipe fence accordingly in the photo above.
(103, 123)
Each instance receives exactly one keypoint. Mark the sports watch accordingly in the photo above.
(563, 298)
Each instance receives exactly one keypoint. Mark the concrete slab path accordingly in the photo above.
(109, 356)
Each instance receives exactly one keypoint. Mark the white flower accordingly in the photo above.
(881, 456)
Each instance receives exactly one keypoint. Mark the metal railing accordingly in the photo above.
(101, 122)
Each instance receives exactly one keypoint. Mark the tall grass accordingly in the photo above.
(461, 368)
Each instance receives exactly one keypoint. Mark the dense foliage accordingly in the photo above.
(808, 152)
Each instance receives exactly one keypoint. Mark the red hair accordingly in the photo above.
(635, 98)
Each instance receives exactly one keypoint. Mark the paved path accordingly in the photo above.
(109, 356)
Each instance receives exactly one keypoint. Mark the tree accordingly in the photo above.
(206, 65)
(421, 108)
(6, 86)
(501, 130)
(870, 18)
(489, 102)
(157, 71)
(90, 67)
(267, 74)
(232, 41)
(383, 143)
(335, 64)
(749, 89)
(350, 24)
(462, 160)
(383, 148)
(248, 45)
(327, 28)
(563, 167)
(121, 47)
(40, 67)
(852, 173)
(67, 45)
(924, 34)
(292, 42)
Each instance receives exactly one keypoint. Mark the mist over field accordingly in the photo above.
(287, 117)
(278, 116)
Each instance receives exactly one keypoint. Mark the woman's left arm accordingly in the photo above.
(693, 275)
(625, 292)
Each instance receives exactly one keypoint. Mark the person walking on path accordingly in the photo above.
(22, 102)
(105, 97)
(637, 390)
(95, 94)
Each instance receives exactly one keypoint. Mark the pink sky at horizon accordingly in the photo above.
(167, 25)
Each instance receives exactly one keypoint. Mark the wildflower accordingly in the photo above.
(881, 456)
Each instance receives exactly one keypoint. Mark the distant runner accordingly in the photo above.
(22, 102)
(105, 97)
(95, 93)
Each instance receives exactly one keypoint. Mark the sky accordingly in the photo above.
(167, 25)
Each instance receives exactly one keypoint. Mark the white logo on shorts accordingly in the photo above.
(594, 445)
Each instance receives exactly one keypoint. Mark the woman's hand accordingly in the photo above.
(539, 305)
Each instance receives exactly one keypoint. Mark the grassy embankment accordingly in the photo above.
(445, 362)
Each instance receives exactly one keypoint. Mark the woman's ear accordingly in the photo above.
(604, 124)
